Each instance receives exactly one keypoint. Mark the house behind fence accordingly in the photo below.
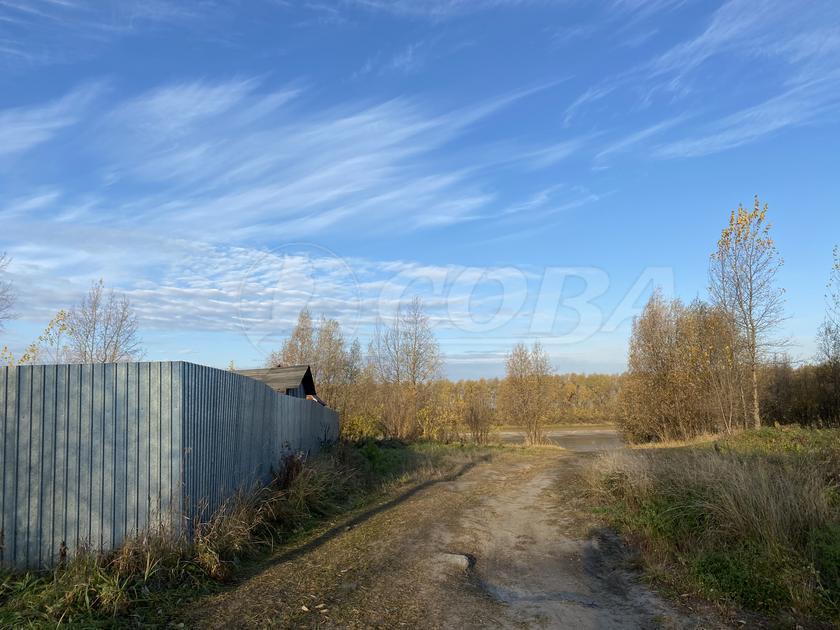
(91, 454)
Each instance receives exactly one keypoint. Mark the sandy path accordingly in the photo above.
(503, 544)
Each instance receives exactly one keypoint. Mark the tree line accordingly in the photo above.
(718, 365)
(395, 389)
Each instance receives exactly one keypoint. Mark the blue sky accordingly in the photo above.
(530, 169)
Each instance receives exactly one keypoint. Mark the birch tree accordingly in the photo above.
(103, 328)
(329, 360)
(299, 348)
(742, 277)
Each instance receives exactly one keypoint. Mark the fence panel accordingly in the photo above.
(92, 454)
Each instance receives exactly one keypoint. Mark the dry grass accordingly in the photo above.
(733, 524)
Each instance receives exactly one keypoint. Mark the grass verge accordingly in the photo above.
(750, 521)
(136, 583)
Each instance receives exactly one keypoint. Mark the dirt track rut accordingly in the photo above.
(504, 543)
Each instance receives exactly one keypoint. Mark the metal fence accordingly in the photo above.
(91, 454)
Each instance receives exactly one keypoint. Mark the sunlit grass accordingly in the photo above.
(751, 519)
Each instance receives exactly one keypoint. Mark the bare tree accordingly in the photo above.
(406, 351)
(742, 280)
(420, 350)
(405, 356)
(102, 328)
(7, 295)
(525, 389)
(828, 340)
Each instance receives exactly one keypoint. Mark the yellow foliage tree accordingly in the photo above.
(743, 282)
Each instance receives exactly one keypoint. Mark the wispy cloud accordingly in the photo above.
(435, 9)
(792, 50)
(644, 9)
(591, 95)
(748, 31)
(24, 128)
(801, 105)
(406, 60)
(636, 138)
(553, 153)
(48, 31)
(248, 163)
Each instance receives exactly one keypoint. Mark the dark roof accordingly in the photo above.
(284, 378)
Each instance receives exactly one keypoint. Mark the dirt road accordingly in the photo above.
(502, 543)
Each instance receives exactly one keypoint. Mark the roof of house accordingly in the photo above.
(282, 379)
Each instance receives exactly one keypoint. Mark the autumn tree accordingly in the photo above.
(828, 340)
(299, 347)
(828, 346)
(441, 416)
(50, 347)
(405, 357)
(685, 376)
(524, 391)
(103, 328)
(720, 367)
(743, 281)
(7, 296)
(336, 367)
(647, 401)
(478, 410)
(330, 358)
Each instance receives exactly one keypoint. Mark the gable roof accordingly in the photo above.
(282, 379)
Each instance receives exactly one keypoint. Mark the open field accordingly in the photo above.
(575, 438)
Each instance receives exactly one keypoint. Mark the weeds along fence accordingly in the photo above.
(92, 454)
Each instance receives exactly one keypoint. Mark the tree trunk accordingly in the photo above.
(756, 410)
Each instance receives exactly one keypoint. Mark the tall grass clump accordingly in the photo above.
(734, 524)
(151, 572)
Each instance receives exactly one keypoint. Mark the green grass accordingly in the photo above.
(786, 440)
(153, 574)
(751, 520)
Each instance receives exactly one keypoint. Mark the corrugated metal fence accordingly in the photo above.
(90, 454)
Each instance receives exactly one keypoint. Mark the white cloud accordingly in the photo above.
(24, 128)
(789, 51)
(190, 178)
(245, 163)
(801, 105)
(176, 109)
(50, 31)
(435, 9)
(637, 137)
(591, 95)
